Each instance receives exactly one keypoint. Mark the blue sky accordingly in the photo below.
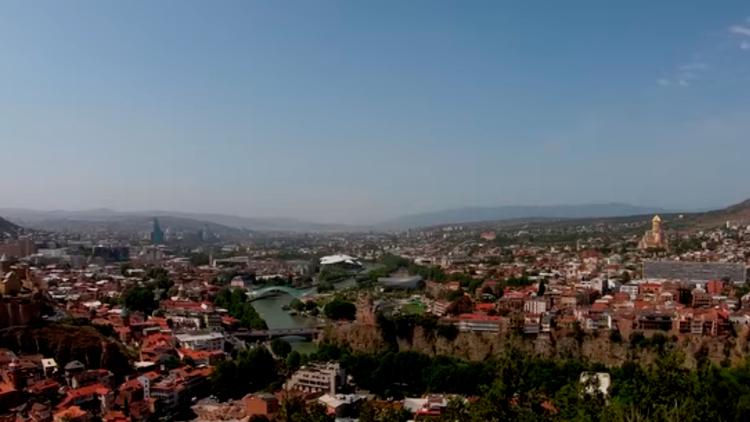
(358, 111)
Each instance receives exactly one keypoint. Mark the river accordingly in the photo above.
(271, 309)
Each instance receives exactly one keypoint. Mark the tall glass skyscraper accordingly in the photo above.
(157, 234)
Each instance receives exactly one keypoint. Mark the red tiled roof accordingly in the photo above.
(159, 339)
(71, 412)
(484, 307)
(89, 390)
(115, 416)
(132, 384)
(229, 320)
(599, 306)
(46, 384)
(161, 322)
(151, 375)
(200, 354)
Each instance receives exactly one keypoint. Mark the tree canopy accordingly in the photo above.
(239, 306)
(140, 299)
(281, 347)
(253, 370)
(339, 309)
(516, 386)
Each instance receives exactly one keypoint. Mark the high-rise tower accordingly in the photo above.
(157, 234)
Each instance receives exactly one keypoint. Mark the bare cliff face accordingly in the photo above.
(593, 348)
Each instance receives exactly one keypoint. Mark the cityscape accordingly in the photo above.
(160, 324)
(374, 212)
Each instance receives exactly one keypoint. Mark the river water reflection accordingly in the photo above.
(271, 309)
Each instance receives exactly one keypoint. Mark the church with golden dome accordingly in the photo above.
(654, 238)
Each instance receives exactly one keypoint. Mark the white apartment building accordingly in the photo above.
(478, 323)
(319, 378)
(212, 341)
(535, 306)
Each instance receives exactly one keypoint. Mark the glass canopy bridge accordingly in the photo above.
(275, 290)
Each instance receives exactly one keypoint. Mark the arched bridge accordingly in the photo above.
(272, 290)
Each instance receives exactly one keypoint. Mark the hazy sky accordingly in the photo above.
(358, 111)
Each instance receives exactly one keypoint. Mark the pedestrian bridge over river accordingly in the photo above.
(274, 290)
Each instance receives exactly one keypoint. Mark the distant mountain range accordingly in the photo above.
(480, 214)
(135, 224)
(234, 225)
(73, 220)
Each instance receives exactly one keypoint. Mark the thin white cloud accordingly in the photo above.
(740, 30)
(694, 66)
(684, 75)
(696, 69)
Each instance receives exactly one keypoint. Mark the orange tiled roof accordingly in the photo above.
(484, 307)
(72, 412)
(89, 390)
(115, 416)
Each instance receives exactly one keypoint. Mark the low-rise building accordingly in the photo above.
(206, 342)
(478, 323)
(261, 404)
(535, 306)
(318, 378)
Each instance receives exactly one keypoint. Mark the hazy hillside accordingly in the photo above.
(736, 214)
(71, 219)
(9, 230)
(476, 214)
(230, 225)
(134, 224)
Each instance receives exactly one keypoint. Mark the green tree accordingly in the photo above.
(456, 411)
(293, 360)
(382, 412)
(140, 299)
(462, 305)
(160, 278)
(281, 347)
(294, 409)
(238, 304)
(198, 259)
(253, 370)
(297, 305)
(339, 309)
(541, 289)
(171, 362)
